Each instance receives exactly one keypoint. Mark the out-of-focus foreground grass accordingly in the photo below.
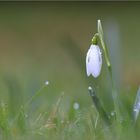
(42, 41)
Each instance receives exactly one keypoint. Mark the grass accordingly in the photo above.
(57, 123)
(43, 116)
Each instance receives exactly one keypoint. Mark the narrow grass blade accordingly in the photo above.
(98, 106)
(21, 120)
(136, 107)
(38, 93)
(50, 122)
(4, 125)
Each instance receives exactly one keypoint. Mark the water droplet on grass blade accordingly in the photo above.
(47, 82)
(76, 106)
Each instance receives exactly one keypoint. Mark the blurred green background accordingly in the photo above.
(42, 41)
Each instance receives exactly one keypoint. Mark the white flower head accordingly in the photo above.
(94, 61)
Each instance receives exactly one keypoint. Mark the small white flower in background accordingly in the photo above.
(94, 61)
(46, 82)
(76, 106)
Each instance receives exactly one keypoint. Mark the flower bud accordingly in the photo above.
(94, 61)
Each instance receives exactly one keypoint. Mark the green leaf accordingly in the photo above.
(100, 30)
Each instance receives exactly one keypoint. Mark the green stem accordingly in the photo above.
(106, 54)
(115, 97)
(94, 39)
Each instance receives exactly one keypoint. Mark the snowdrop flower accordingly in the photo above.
(94, 61)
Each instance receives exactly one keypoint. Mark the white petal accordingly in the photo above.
(88, 70)
(94, 61)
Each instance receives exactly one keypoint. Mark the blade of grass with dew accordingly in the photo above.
(98, 105)
(136, 107)
(38, 93)
(21, 116)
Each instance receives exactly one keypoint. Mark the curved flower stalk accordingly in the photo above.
(94, 65)
(94, 61)
(114, 91)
